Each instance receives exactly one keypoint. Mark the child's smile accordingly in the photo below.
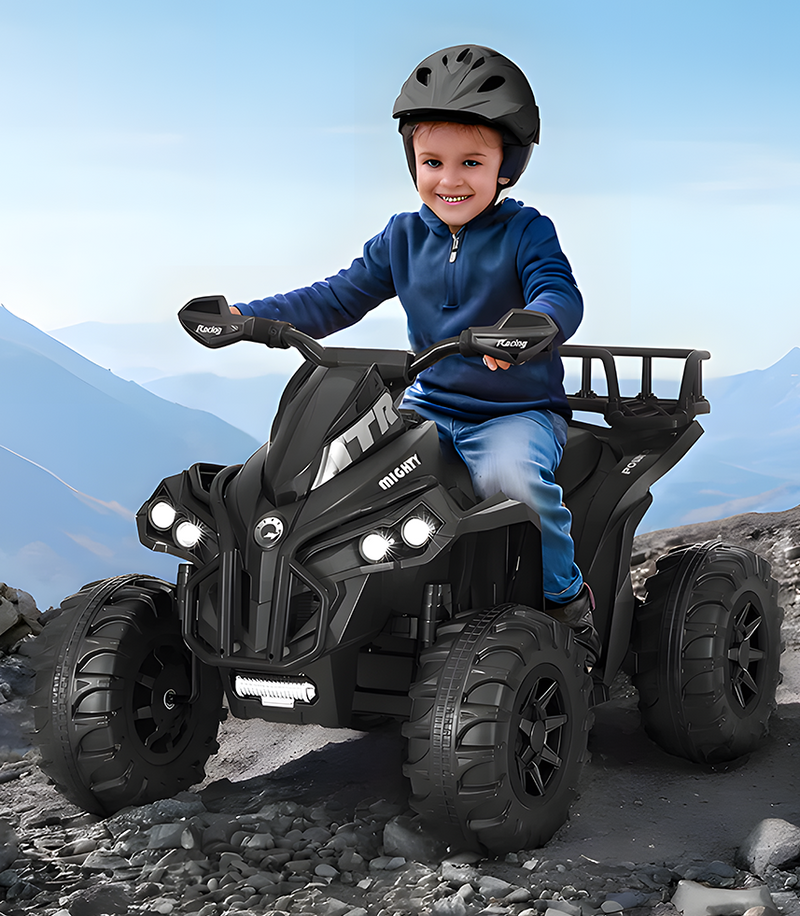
(457, 168)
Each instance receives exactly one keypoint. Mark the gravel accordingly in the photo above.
(187, 856)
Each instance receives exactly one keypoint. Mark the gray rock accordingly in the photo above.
(458, 875)
(772, 841)
(449, 906)
(663, 909)
(85, 844)
(464, 858)
(218, 834)
(387, 863)
(695, 899)
(26, 604)
(105, 861)
(165, 811)
(407, 837)
(564, 906)
(787, 902)
(100, 900)
(9, 846)
(9, 615)
(166, 836)
(316, 835)
(333, 907)
(350, 860)
(490, 886)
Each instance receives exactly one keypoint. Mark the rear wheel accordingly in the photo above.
(114, 678)
(709, 644)
(498, 729)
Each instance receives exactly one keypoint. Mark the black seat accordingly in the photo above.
(580, 458)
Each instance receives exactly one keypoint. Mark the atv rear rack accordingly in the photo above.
(645, 410)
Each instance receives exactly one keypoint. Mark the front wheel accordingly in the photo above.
(112, 709)
(498, 729)
(709, 643)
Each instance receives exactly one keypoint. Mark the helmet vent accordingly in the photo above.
(444, 59)
(465, 55)
(479, 62)
(491, 83)
(424, 75)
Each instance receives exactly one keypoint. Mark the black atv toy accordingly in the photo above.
(347, 571)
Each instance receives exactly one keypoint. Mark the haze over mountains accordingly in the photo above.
(81, 449)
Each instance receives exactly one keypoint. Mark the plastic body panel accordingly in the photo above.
(279, 586)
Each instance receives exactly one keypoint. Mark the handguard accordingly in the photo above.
(519, 335)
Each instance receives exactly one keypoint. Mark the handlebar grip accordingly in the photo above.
(269, 331)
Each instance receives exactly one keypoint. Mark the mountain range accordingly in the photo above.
(81, 449)
(747, 460)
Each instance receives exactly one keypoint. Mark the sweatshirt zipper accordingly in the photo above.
(451, 299)
(454, 247)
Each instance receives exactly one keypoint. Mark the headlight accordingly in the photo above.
(162, 515)
(375, 547)
(416, 531)
(188, 535)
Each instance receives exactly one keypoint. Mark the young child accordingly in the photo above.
(469, 121)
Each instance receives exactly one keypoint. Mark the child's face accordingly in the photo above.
(457, 168)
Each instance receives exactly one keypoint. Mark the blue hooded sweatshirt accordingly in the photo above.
(506, 257)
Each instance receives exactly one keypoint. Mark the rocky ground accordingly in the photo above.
(305, 821)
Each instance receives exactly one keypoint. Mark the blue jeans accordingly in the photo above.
(518, 455)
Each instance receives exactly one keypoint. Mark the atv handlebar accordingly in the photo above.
(518, 336)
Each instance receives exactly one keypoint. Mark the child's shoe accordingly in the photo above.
(577, 615)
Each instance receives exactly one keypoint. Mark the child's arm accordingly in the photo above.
(546, 276)
(547, 281)
(336, 302)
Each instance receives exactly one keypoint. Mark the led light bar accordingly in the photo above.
(282, 692)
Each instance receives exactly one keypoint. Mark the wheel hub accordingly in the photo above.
(744, 653)
(542, 725)
(537, 737)
(161, 709)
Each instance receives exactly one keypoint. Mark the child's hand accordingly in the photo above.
(234, 310)
(491, 363)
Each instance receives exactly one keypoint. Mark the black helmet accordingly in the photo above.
(473, 85)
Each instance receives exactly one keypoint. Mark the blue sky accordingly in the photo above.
(155, 151)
